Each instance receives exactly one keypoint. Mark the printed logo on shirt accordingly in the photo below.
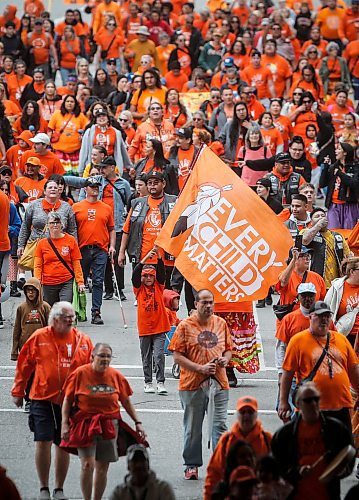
(65, 251)
(33, 317)
(91, 214)
(154, 219)
(207, 339)
(38, 43)
(69, 350)
(104, 388)
(183, 167)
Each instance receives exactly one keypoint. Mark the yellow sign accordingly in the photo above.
(193, 100)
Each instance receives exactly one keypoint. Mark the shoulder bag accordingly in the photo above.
(346, 322)
(312, 374)
(104, 52)
(281, 310)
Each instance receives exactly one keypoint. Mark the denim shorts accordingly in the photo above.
(45, 421)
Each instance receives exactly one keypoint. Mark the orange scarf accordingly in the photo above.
(49, 207)
(281, 177)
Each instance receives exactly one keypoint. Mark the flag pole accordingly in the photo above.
(192, 164)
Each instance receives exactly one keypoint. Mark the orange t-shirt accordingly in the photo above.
(184, 162)
(17, 128)
(40, 44)
(78, 29)
(321, 47)
(175, 82)
(185, 61)
(69, 50)
(50, 163)
(311, 447)
(94, 223)
(329, 22)
(33, 188)
(308, 87)
(303, 352)
(289, 292)
(163, 55)
(106, 137)
(280, 69)
(201, 344)
(291, 324)
(338, 115)
(4, 227)
(283, 124)
(48, 108)
(174, 115)
(334, 69)
(12, 110)
(107, 196)
(144, 99)
(104, 38)
(272, 139)
(70, 139)
(13, 156)
(16, 86)
(302, 121)
(97, 392)
(348, 302)
(51, 271)
(258, 78)
(151, 311)
(351, 55)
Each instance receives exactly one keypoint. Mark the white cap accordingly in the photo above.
(41, 137)
(306, 288)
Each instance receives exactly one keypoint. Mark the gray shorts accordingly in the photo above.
(104, 450)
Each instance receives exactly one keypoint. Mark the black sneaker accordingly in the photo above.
(122, 296)
(96, 319)
(260, 304)
(1, 323)
(232, 379)
(108, 296)
(268, 300)
(21, 282)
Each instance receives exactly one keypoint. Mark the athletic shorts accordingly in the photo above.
(104, 450)
(45, 421)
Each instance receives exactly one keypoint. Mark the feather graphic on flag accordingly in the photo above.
(207, 197)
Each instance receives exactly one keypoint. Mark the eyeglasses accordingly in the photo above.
(155, 109)
(297, 93)
(311, 399)
(306, 101)
(295, 150)
(216, 97)
(68, 316)
(247, 93)
(104, 356)
(312, 52)
(54, 223)
(111, 63)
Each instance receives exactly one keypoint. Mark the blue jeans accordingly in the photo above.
(194, 404)
(65, 73)
(94, 259)
(355, 83)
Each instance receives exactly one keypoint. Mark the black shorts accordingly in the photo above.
(45, 421)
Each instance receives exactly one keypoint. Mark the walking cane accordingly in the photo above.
(118, 295)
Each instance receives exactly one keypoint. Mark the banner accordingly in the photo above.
(224, 237)
(193, 100)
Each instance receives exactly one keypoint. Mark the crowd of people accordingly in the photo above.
(101, 123)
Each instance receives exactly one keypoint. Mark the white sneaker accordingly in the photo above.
(135, 303)
(149, 389)
(161, 389)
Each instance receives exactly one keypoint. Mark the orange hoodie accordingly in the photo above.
(10, 16)
(258, 438)
(168, 296)
(52, 358)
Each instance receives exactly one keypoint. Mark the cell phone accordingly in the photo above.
(298, 242)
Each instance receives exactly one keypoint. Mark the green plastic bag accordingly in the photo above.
(79, 303)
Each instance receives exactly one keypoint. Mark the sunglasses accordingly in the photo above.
(111, 63)
(123, 120)
(311, 399)
(297, 93)
(312, 52)
(155, 109)
(111, 24)
(307, 102)
(197, 119)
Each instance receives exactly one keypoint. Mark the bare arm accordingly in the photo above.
(53, 53)
(271, 88)
(65, 415)
(121, 253)
(286, 274)
(285, 385)
(309, 234)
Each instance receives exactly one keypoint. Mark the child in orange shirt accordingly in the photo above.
(148, 284)
(171, 301)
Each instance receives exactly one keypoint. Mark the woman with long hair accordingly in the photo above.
(313, 57)
(102, 85)
(309, 83)
(50, 102)
(350, 132)
(65, 130)
(110, 43)
(62, 188)
(297, 73)
(49, 268)
(238, 53)
(5, 128)
(303, 114)
(25, 28)
(103, 133)
(292, 104)
(12, 110)
(126, 123)
(30, 119)
(342, 180)
(334, 69)
(155, 161)
(182, 55)
(234, 132)
(69, 50)
(253, 149)
(82, 70)
(175, 111)
(151, 90)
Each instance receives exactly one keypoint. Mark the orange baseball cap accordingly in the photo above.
(33, 161)
(247, 402)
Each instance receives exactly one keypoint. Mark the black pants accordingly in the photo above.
(119, 271)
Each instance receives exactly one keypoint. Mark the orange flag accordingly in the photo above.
(224, 237)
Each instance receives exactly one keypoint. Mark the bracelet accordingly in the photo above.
(137, 423)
